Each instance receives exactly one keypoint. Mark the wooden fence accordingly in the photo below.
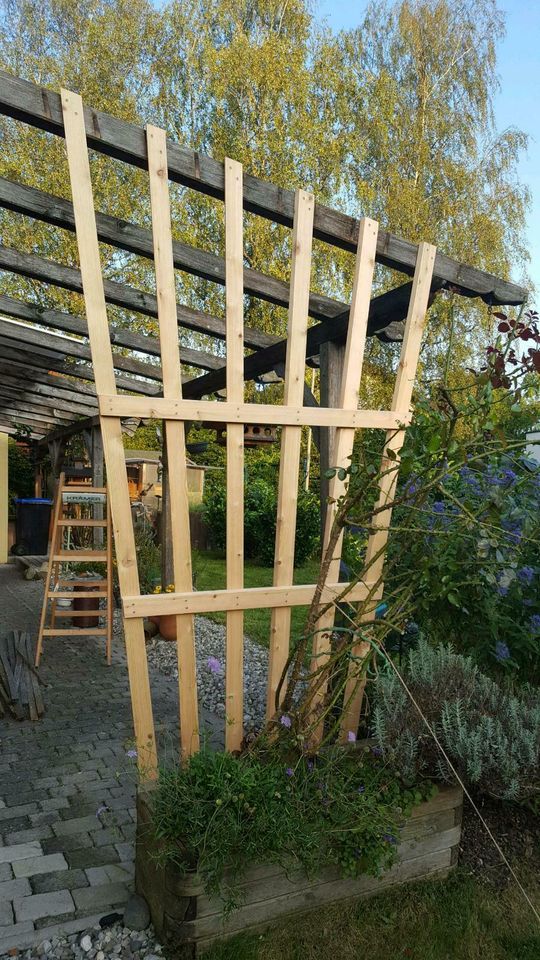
(174, 410)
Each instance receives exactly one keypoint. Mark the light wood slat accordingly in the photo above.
(249, 598)
(53, 546)
(264, 413)
(375, 552)
(174, 431)
(75, 556)
(98, 331)
(80, 594)
(291, 437)
(234, 301)
(101, 612)
(70, 522)
(76, 632)
(344, 441)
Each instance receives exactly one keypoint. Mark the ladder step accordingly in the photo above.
(79, 594)
(74, 556)
(83, 583)
(67, 522)
(97, 612)
(74, 632)
(82, 488)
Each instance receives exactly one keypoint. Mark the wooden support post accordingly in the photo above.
(167, 571)
(376, 548)
(98, 476)
(98, 330)
(174, 432)
(291, 438)
(3, 497)
(234, 269)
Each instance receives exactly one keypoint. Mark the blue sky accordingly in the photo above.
(518, 102)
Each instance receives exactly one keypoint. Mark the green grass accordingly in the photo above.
(455, 919)
(209, 574)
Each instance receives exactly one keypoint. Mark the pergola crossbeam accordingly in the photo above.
(41, 108)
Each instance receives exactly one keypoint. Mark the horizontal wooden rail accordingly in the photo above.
(249, 598)
(42, 108)
(160, 408)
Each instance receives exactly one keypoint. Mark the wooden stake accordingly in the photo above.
(98, 331)
(376, 548)
(291, 437)
(234, 279)
(175, 432)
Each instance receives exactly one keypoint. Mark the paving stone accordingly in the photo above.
(11, 889)
(36, 865)
(10, 813)
(106, 895)
(39, 905)
(93, 857)
(15, 826)
(6, 913)
(46, 782)
(63, 880)
(126, 851)
(54, 803)
(23, 836)
(111, 873)
(66, 828)
(6, 873)
(19, 851)
(104, 838)
(63, 844)
(12, 937)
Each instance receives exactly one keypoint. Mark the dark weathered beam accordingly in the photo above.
(66, 400)
(121, 295)
(41, 108)
(67, 347)
(67, 408)
(18, 401)
(13, 414)
(391, 306)
(128, 236)
(64, 433)
(6, 426)
(119, 336)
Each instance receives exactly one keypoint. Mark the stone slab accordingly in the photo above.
(20, 851)
(35, 865)
(44, 905)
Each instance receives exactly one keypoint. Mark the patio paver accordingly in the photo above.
(59, 857)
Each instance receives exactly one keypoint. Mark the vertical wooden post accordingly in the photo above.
(234, 294)
(167, 570)
(98, 331)
(3, 497)
(343, 443)
(174, 432)
(291, 437)
(98, 478)
(401, 401)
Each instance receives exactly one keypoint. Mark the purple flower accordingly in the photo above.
(361, 788)
(389, 838)
(351, 737)
(376, 751)
(502, 590)
(438, 507)
(525, 575)
(310, 765)
(502, 651)
(535, 623)
(285, 721)
(214, 665)
(290, 772)
(100, 810)
(132, 754)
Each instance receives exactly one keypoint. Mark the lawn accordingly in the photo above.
(454, 919)
(209, 574)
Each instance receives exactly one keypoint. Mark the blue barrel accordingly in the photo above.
(33, 518)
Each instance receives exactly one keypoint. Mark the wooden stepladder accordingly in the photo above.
(71, 518)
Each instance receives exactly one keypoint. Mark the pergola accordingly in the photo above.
(46, 376)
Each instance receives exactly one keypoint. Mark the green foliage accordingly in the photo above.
(20, 472)
(148, 557)
(146, 437)
(260, 513)
(491, 737)
(220, 814)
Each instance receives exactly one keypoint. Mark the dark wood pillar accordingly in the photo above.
(331, 360)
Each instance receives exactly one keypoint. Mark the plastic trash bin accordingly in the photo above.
(32, 527)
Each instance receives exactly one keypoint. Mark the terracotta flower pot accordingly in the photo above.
(166, 624)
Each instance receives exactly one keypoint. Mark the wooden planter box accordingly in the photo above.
(182, 914)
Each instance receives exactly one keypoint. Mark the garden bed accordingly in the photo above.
(185, 916)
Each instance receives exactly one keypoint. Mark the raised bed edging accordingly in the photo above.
(184, 915)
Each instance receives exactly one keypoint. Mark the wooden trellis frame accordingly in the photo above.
(175, 410)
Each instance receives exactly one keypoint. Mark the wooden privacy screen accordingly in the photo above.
(234, 412)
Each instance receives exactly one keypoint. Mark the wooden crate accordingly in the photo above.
(185, 916)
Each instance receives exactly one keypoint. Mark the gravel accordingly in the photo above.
(210, 642)
(114, 941)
